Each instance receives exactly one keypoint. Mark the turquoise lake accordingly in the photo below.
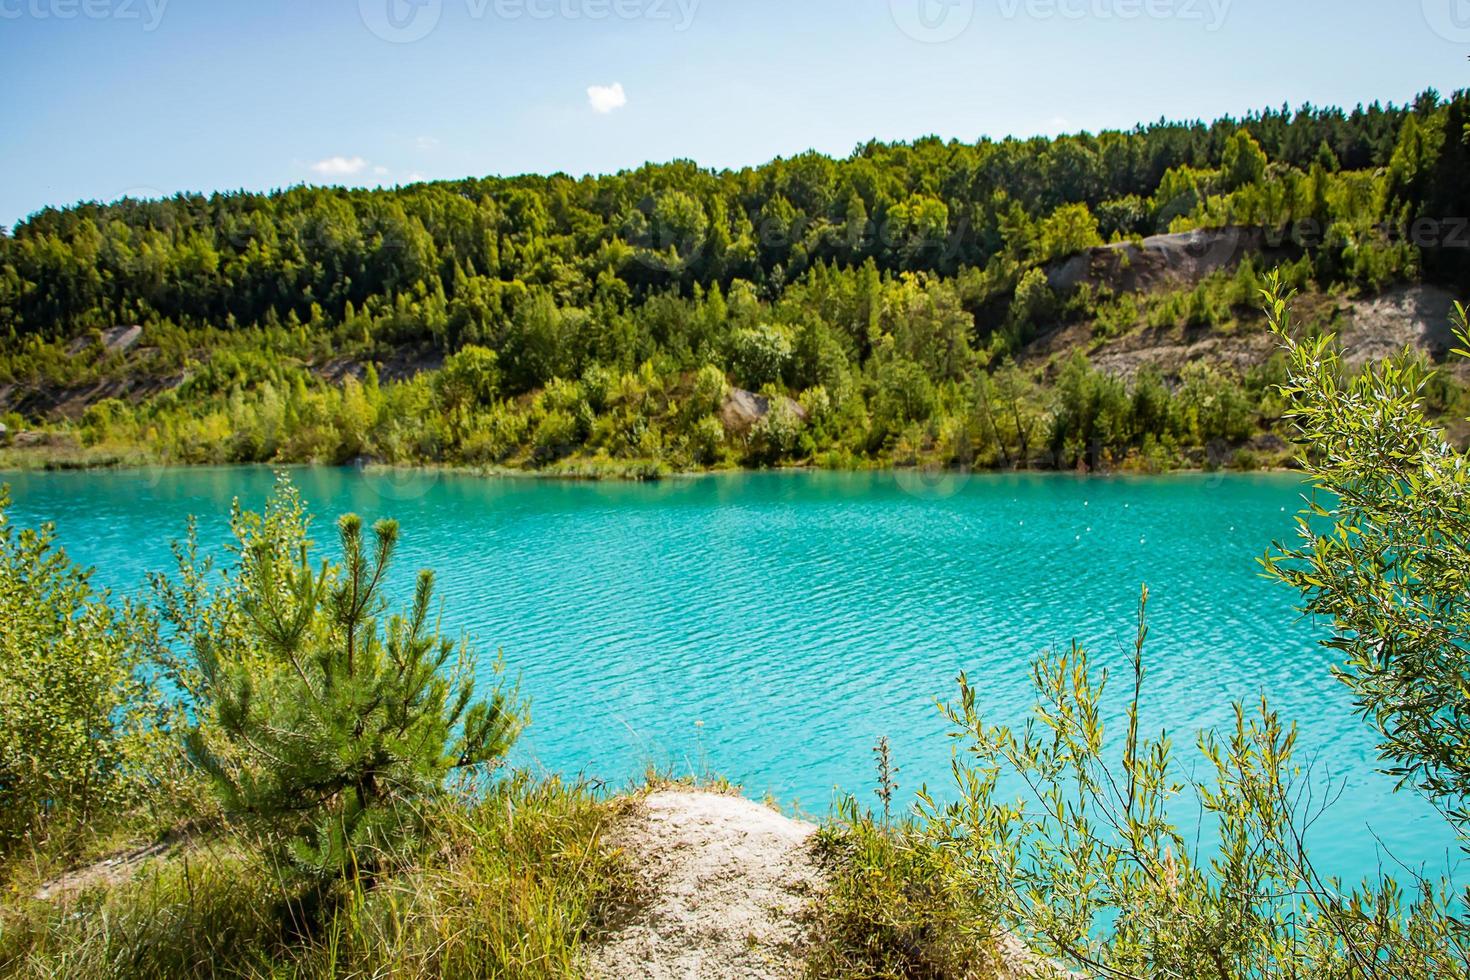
(769, 627)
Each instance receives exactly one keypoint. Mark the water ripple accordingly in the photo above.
(770, 627)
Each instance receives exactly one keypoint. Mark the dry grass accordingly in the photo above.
(512, 885)
(891, 910)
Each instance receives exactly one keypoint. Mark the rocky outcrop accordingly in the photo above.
(1177, 259)
(742, 409)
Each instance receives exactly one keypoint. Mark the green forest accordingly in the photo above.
(889, 308)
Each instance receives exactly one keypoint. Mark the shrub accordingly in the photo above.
(905, 394)
(1068, 230)
(507, 886)
(759, 355)
(598, 383)
(778, 433)
(1089, 867)
(1383, 552)
(469, 377)
(892, 908)
(561, 395)
(75, 719)
(327, 726)
(706, 439)
(555, 436)
(1216, 404)
(1033, 303)
(494, 435)
(707, 392)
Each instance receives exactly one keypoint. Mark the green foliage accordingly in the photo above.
(316, 718)
(264, 317)
(1242, 162)
(1122, 218)
(777, 435)
(79, 736)
(1089, 867)
(1215, 405)
(707, 392)
(1068, 230)
(894, 907)
(1383, 551)
(496, 261)
(1032, 303)
(1099, 419)
(554, 437)
(470, 377)
(1071, 838)
(759, 356)
(510, 885)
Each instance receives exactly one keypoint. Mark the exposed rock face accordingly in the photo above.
(1416, 316)
(115, 340)
(1406, 316)
(743, 409)
(138, 380)
(71, 402)
(1178, 259)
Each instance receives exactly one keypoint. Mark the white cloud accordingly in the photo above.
(426, 143)
(414, 178)
(606, 98)
(339, 166)
(380, 170)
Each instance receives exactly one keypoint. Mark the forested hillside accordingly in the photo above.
(917, 302)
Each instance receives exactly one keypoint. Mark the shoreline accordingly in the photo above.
(633, 471)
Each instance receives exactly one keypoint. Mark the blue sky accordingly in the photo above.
(147, 97)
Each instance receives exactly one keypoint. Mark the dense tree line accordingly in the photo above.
(865, 295)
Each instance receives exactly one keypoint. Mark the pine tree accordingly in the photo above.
(321, 721)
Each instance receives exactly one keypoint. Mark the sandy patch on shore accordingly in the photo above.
(727, 879)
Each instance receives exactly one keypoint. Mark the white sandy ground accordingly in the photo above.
(727, 880)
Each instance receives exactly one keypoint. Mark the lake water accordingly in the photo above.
(769, 627)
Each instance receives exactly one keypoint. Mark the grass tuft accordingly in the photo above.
(891, 909)
(511, 885)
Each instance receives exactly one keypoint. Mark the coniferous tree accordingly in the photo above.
(318, 717)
